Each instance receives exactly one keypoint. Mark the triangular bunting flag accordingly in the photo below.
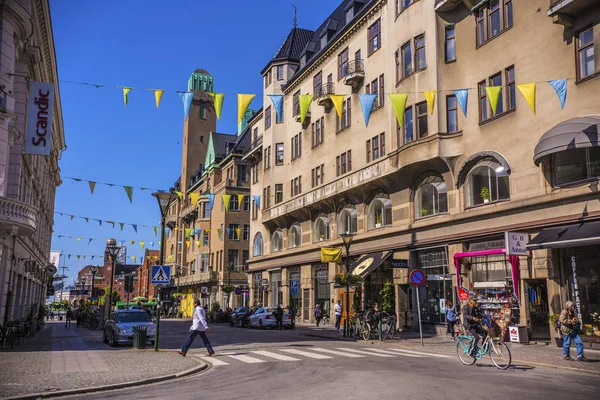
(218, 103)
(100, 256)
(560, 86)
(228, 231)
(134, 258)
(126, 91)
(93, 257)
(92, 186)
(256, 198)
(129, 191)
(187, 232)
(194, 197)
(211, 200)
(338, 103)
(170, 258)
(69, 257)
(277, 100)
(100, 222)
(219, 231)
(132, 241)
(305, 100)
(84, 256)
(244, 101)
(399, 105)
(240, 200)
(430, 97)
(79, 238)
(134, 226)
(78, 256)
(86, 219)
(186, 99)
(528, 91)
(110, 222)
(197, 243)
(208, 230)
(238, 231)
(142, 244)
(180, 195)
(226, 198)
(90, 241)
(493, 93)
(155, 230)
(188, 243)
(151, 244)
(157, 96)
(462, 95)
(366, 104)
(179, 242)
(122, 225)
(167, 231)
(72, 217)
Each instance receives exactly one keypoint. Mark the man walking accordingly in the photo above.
(279, 317)
(570, 327)
(68, 317)
(199, 327)
(337, 308)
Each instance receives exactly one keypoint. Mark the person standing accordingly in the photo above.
(337, 309)
(450, 312)
(279, 317)
(68, 317)
(199, 327)
(293, 316)
(318, 314)
(570, 328)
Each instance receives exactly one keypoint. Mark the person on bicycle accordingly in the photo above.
(472, 322)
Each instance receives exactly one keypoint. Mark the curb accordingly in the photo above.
(93, 389)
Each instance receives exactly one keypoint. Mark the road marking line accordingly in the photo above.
(246, 359)
(275, 355)
(365, 352)
(339, 353)
(306, 354)
(393, 353)
(421, 353)
(213, 360)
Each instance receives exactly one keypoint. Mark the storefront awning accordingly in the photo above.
(367, 263)
(567, 236)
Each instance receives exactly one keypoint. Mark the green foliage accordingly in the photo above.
(357, 298)
(347, 279)
(387, 297)
(485, 193)
(228, 288)
(215, 306)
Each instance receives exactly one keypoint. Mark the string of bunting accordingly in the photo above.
(142, 243)
(128, 189)
(100, 221)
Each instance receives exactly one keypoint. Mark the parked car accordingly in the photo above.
(119, 327)
(240, 317)
(263, 317)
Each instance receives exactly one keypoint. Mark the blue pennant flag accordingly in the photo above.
(228, 231)
(186, 99)
(151, 244)
(277, 100)
(134, 227)
(560, 86)
(462, 95)
(211, 200)
(180, 242)
(366, 104)
(90, 241)
(167, 231)
(256, 198)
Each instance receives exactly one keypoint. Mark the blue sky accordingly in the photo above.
(146, 44)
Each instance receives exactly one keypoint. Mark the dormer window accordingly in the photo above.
(349, 15)
(323, 41)
(303, 60)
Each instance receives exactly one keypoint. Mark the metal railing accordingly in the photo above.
(355, 66)
(325, 89)
(256, 142)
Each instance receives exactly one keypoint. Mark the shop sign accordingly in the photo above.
(257, 277)
(576, 288)
(463, 294)
(38, 131)
(516, 243)
(399, 263)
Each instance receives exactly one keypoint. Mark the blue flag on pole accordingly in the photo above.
(366, 104)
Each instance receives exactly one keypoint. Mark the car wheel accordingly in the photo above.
(231, 323)
(241, 323)
(104, 338)
(112, 342)
(260, 324)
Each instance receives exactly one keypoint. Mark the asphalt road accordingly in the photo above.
(255, 364)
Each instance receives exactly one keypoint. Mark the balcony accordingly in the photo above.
(189, 212)
(234, 276)
(171, 220)
(563, 11)
(450, 5)
(322, 95)
(355, 74)
(255, 153)
(198, 277)
(306, 118)
(17, 217)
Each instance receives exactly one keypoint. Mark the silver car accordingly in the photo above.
(264, 317)
(119, 327)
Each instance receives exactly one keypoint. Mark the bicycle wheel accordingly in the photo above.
(500, 355)
(462, 351)
(365, 332)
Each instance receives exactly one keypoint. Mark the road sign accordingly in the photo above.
(294, 285)
(399, 263)
(161, 274)
(417, 277)
(238, 291)
(100, 292)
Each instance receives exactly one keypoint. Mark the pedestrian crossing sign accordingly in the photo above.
(161, 274)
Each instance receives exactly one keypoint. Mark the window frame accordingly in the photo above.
(344, 123)
(436, 182)
(268, 117)
(407, 70)
(278, 193)
(341, 63)
(483, 18)
(421, 113)
(280, 77)
(318, 84)
(296, 103)
(295, 231)
(374, 37)
(447, 40)
(279, 235)
(386, 207)
(416, 57)
(588, 163)
(454, 110)
(491, 165)
(261, 245)
(579, 49)
(324, 219)
(279, 151)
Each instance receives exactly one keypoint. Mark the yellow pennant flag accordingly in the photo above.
(338, 103)
(126, 91)
(218, 103)
(187, 232)
(188, 243)
(79, 238)
(238, 231)
(92, 186)
(180, 195)
(226, 198)
(528, 91)
(129, 191)
(399, 104)
(208, 230)
(197, 243)
(493, 93)
(243, 103)
(194, 197)
(142, 244)
(331, 254)
(176, 229)
(157, 96)
(430, 97)
(305, 100)
(155, 230)
(132, 241)
(240, 200)
(134, 258)
(170, 258)
(219, 231)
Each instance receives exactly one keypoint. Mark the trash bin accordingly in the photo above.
(140, 334)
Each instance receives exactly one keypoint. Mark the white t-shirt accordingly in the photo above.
(338, 309)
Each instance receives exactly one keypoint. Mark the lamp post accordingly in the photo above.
(93, 270)
(83, 280)
(164, 200)
(113, 252)
(347, 238)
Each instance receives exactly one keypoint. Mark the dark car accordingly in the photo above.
(240, 317)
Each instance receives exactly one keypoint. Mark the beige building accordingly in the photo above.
(442, 190)
(27, 182)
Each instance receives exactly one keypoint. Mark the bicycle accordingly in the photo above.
(498, 351)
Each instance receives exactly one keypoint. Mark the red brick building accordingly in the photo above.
(144, 288)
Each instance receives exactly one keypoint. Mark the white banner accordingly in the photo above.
(55, 257)
(38, 132)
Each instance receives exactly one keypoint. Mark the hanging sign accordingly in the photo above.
(576, 288)
(38, 132)
(463, 294)
(516, 243)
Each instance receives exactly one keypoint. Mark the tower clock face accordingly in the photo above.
(363, 266)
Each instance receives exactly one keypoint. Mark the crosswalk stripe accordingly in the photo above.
(213, 360)
(246, 359)
(276, 356)
(393, 353)
(365, 352)
(339, 353)
(306, 354)
(421, 353)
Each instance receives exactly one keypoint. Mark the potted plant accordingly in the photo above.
(423, 212)
(552, 322)
(485, 194)
(378, 218)
(321, 238)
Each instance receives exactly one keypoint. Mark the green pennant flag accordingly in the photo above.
(493, 93)
(129, 191)
(305, 100)
(155, 230)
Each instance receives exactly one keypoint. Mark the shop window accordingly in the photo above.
(321, 228)
(295, 238)
(487, 182)
(438, 284)
(380, 211)
(431, 197)
(258, 245)
(576, 165)
(347, 220)
(277, 241)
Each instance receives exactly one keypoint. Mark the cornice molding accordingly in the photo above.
(22, 20)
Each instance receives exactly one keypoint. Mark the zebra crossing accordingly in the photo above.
(286, 354)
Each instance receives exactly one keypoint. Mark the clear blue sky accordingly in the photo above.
(148, 44)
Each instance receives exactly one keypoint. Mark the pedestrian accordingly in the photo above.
(570, 326)
(471, 321)
(51, 315)
(279, 317)
(450, 312)
(318, 314)
(199, 327)
(337, 308)
(69, 317)
(293, 316)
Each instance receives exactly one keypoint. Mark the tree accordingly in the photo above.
(387, 297)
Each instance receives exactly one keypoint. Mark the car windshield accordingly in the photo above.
(132, 317)
(270, 310)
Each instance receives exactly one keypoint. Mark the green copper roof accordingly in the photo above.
(201, 80)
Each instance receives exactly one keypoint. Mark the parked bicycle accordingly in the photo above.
(371, 329)
(498, 351)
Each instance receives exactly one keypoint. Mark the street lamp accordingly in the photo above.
(113, 251)
(93, 270)
(347, 238)
(83, 286)
(164, 201)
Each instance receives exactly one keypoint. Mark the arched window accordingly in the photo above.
(380, 211)
(431, 197)
(321, 228)
(347, 220)
(258, 245)
(277, 241)
(486, 182)
(295, 238)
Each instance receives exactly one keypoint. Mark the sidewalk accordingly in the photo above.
(61, 358)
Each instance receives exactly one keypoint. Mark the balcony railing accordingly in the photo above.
(258, 141)
(567, 8)
(19, 215)
(355, 73)
(323, 92)
(447, 5)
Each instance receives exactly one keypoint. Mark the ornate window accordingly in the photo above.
(321, 228)
(258, 245)
(295, 239)
(486, 182)
(380, 211)
(277, 241)
(347, 220)
(431, 197)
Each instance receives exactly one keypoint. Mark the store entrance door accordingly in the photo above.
(306, 304)
(536, 294)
